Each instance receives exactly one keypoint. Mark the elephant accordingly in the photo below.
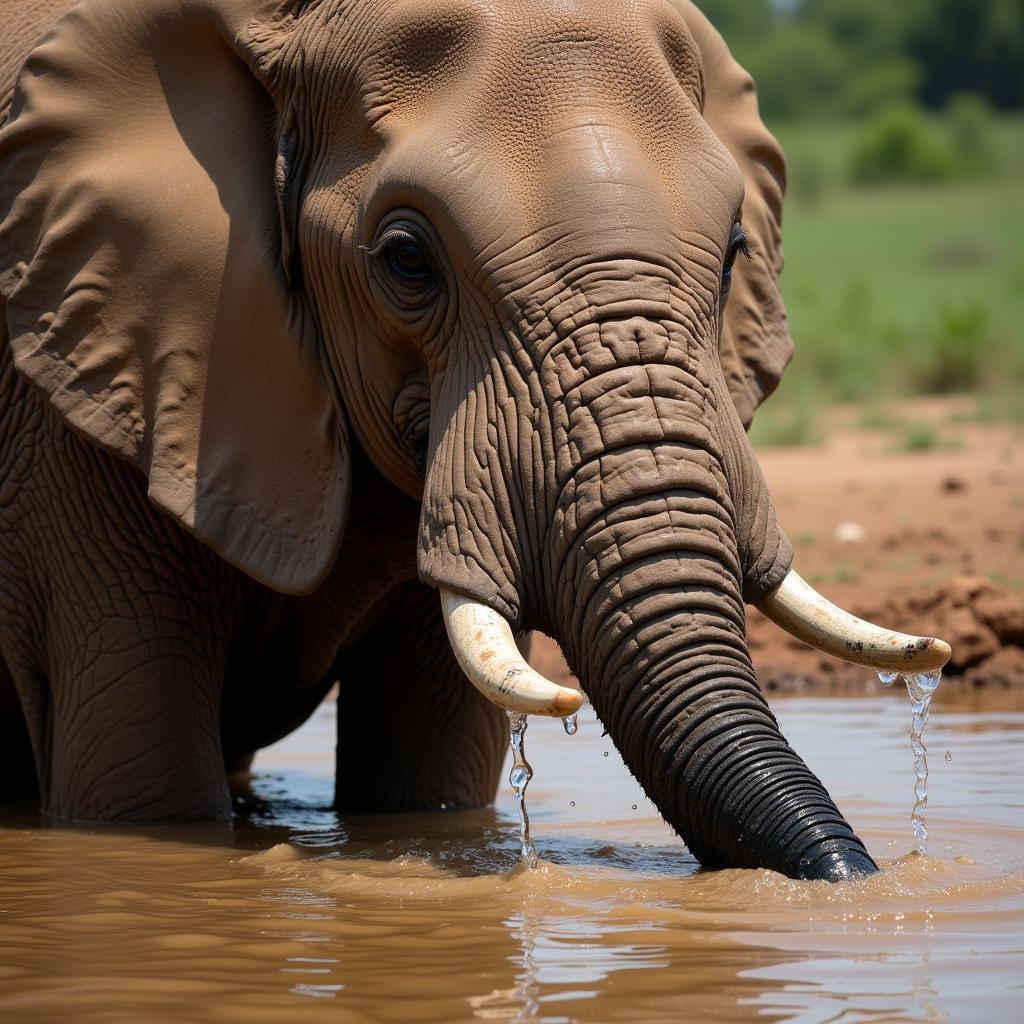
(352, 340)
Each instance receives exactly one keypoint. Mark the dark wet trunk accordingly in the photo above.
(649, 609)
(664, 662)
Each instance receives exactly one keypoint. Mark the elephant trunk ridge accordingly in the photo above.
(657, 635)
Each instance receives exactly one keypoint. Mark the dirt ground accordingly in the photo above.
(925, 536)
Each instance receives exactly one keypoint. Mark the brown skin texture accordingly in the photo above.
(494, 241)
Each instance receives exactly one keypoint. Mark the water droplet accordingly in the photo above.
(606, 753)
(572, 803)
(520, 776)
(634, 807)
(569, 724)
(888, 678)
(949, 756)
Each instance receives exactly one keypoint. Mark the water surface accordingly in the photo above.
(295, 915)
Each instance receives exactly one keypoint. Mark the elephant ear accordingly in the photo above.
(755, 343)
(140, 261)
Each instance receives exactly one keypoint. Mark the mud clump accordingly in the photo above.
(977, 617)
(1003, 613)
(1004, 668)
(972, 641)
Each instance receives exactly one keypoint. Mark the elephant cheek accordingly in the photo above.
(469, 540)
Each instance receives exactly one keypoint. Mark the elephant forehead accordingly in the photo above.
(527, 61)
(527, 114)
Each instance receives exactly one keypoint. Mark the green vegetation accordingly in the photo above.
(918, 437)
(790, 423)
(899, 143)
(846, 573)
(1002, 405)
(846, 57)
(903, 125)
(900, 288)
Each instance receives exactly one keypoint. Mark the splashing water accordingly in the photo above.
(570, 725)
(520, 778)
(921, 688)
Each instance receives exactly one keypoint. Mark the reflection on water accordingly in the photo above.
(298, 915)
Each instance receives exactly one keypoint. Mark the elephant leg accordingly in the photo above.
(413, 734)
(134, 735)
(17, 763)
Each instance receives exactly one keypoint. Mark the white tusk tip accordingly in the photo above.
(800, 610)
(483, 644)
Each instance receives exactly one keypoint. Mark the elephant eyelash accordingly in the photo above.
(391, 238)
(382, 246)
(740, 245)
(391, 245)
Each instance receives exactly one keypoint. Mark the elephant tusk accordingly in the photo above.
(486, 651)
(800, 610)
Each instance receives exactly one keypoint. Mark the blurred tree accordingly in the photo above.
(799, 70)
(853, 56)
(971, 46)
(737, 19)
(898, 143)
(869, 28)
(871, 85)
(969, 119)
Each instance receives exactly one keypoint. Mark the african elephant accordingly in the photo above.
(315, 307)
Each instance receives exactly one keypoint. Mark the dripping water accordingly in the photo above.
(520, 778)
(921, 688)
(570, 725)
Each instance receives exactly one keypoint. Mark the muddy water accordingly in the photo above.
(296, 915)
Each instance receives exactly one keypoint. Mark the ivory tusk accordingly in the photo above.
(800, 610)
(486, 650)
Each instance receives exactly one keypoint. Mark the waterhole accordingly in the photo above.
(299, 914)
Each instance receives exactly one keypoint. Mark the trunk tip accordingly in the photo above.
(847, 865)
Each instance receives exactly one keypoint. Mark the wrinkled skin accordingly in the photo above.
(482, 271)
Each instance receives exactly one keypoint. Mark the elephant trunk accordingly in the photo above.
(665, 664)
(649, 608)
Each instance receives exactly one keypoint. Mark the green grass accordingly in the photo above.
(789, 424)
(876, 415)
(1000, 405)
(846, 573)
(1002, 580)
(899, 290)
(918, 437)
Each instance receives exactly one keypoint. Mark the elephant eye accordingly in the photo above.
(738, 243)
(405, 256)
(407, 259)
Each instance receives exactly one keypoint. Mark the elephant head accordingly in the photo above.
(527, 251)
